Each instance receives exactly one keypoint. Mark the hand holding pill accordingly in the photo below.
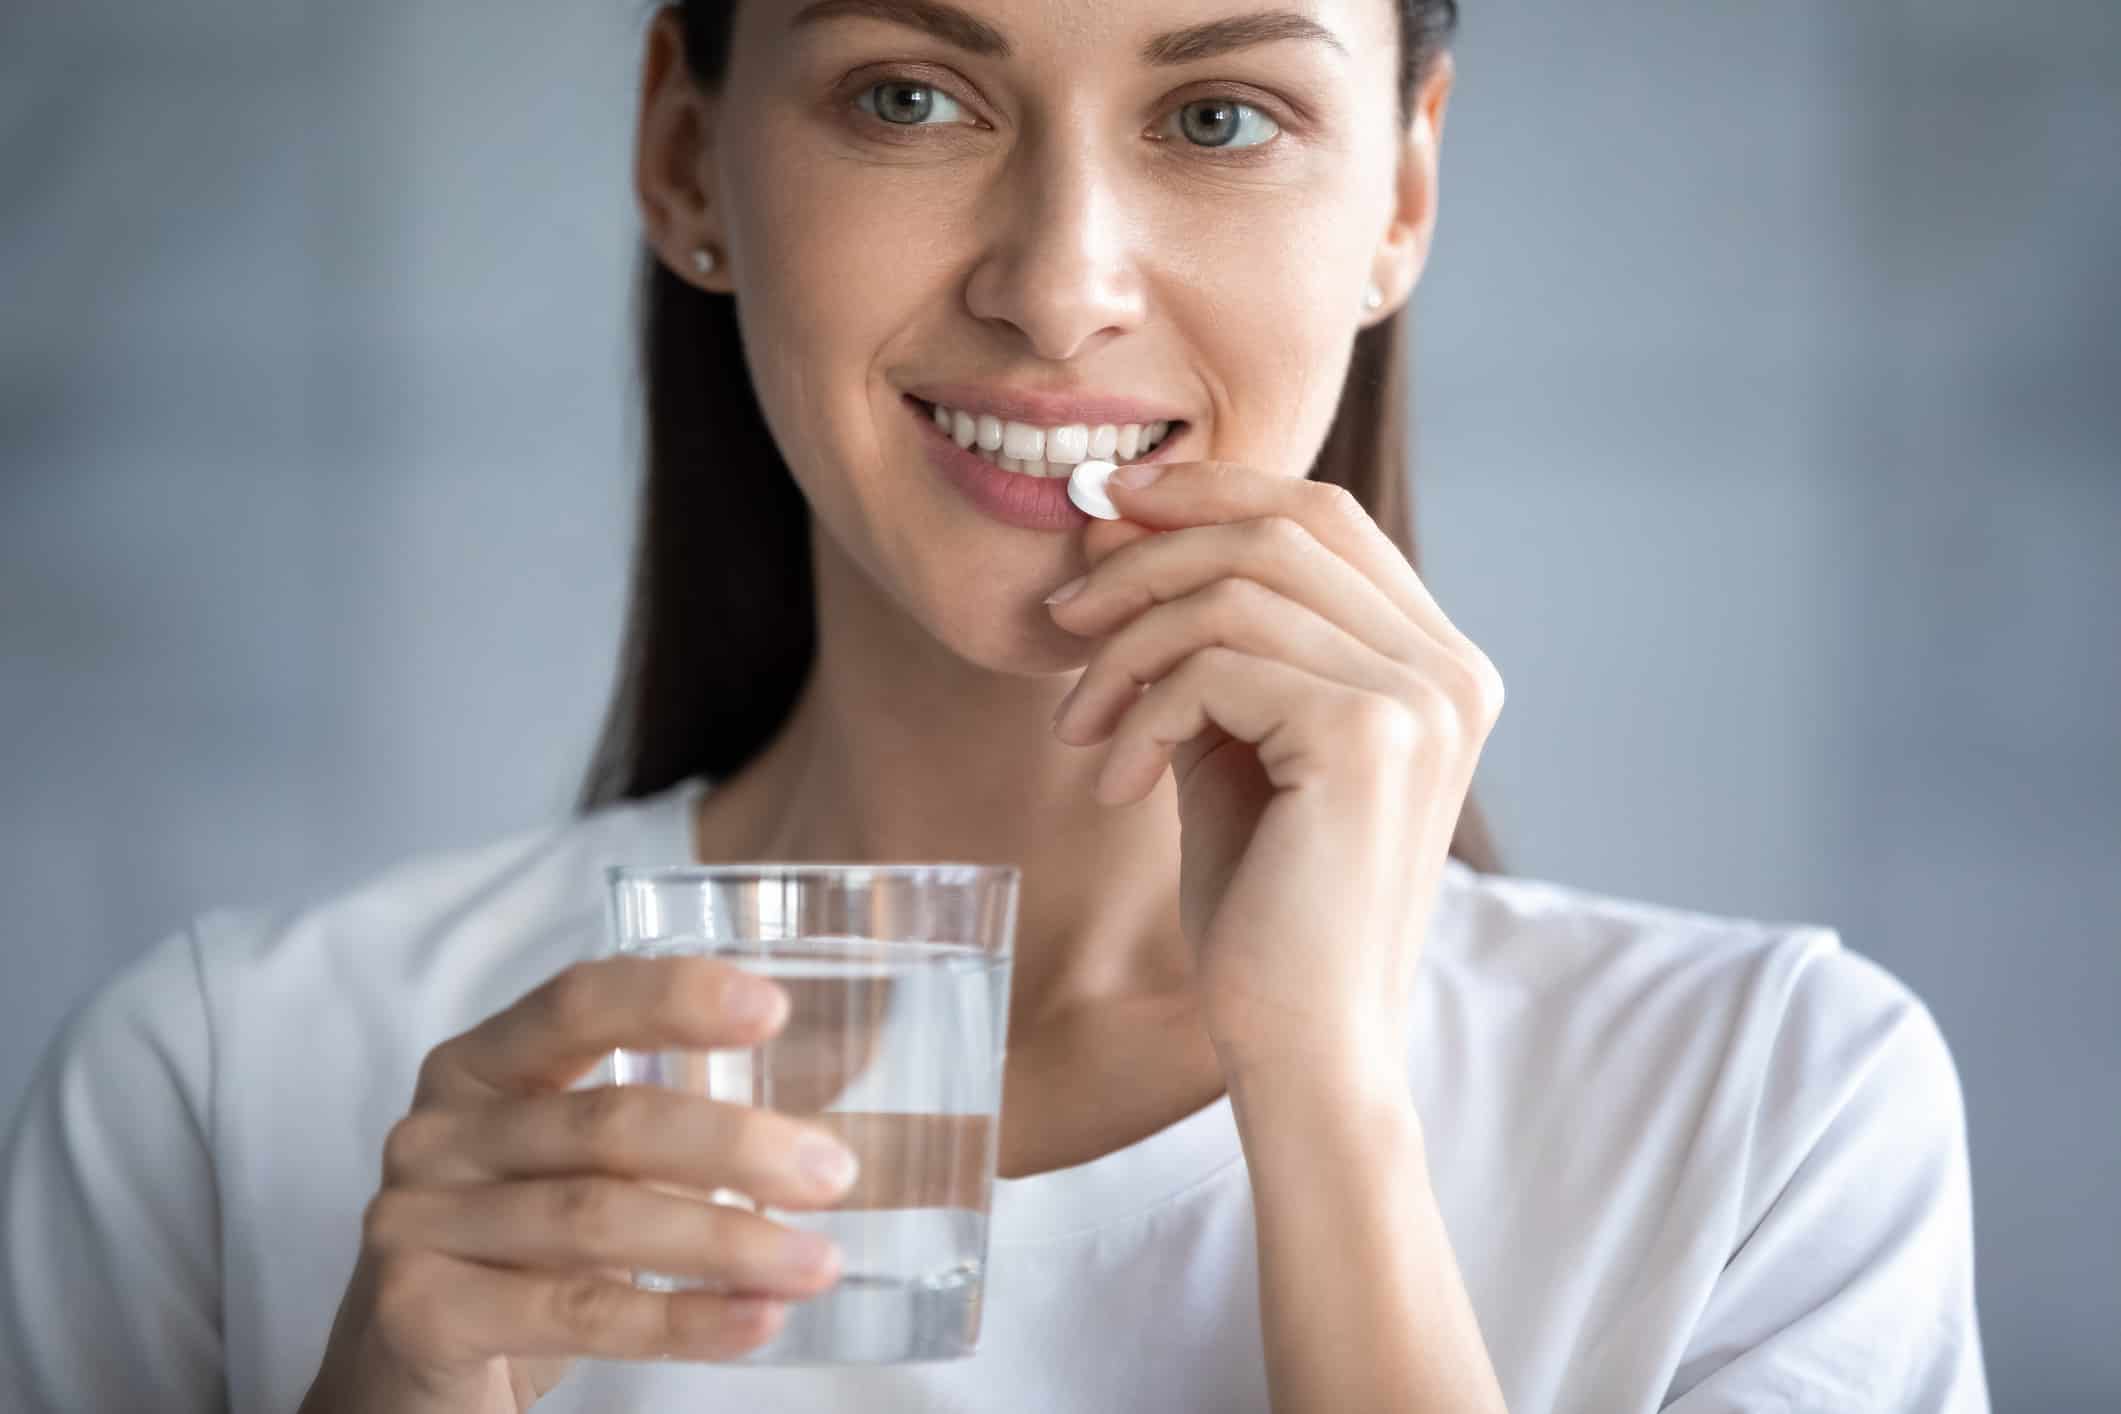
(1259, 637)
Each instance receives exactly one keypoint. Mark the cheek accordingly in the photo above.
(1269, 307)
(797, 251)
(818, 304)
(833, 239)
(842, 257)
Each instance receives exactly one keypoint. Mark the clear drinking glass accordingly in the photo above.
(898, 982)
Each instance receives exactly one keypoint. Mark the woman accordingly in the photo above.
(1307, 1108)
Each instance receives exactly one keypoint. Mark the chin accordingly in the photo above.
(1019, 642)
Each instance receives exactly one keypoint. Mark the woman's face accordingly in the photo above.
(1099, 213)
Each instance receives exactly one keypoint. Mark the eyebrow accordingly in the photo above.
(1179, 46)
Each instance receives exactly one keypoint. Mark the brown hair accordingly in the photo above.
(721, 631)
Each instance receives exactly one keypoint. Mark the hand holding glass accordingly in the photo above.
(897, 979)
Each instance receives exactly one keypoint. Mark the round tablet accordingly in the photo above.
(1086, 487)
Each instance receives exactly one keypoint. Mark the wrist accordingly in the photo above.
(1345, 1137)
(1339, 1059)
(1302, 1088)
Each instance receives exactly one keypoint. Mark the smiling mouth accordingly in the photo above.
(1029, 450)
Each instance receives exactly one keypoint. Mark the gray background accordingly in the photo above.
(1771, 447)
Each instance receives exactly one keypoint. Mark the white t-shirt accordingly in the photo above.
(1686, 1162)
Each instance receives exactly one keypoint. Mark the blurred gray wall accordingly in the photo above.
(1770, 445)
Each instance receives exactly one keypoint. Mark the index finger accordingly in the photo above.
(566, 1024)
(1213, 492)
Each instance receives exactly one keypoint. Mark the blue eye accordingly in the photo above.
(908, 105)
(1220, 122)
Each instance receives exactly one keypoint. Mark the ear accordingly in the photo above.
(673, 155)
(1404, 251)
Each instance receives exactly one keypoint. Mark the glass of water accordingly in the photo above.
(898, 982)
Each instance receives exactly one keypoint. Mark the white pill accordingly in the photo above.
(1086, 487)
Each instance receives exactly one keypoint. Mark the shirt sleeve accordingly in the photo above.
(109, 1223)
(1851, 1286)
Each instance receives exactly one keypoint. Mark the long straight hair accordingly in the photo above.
(721, 631)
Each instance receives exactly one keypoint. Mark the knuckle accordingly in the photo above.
(1440, 716)
(1337, 501)
(590, 1310)
(571, 996)
(434, 1070)
(747, 1144)
(1384, 725)
(1213, 661)
(409, 1143)
(1472, 687)
(585, 1209)
(1280, 536)
(380, 1222)
(1444, 728)
(604, 1121)
(1233, 602)
(1487, 688)
(725, 1126)
(670, 1330)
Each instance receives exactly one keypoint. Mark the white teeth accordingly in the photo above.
(1068, 444)
(1022, 442)
(1048, 451)
(1031, 467)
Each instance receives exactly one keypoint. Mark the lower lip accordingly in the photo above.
(1011, 497)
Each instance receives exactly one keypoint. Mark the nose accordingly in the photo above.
(1059, 268)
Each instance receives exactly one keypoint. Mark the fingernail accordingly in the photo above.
(826, 1162)
(807, 1251)
(1138, 474)
(754, 1313)
(753, 1000)
(1068, 591)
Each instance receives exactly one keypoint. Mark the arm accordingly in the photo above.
(1322, 720)
(109, 1225)
(1361, 1304)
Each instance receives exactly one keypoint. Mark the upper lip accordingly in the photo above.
(1043, 409)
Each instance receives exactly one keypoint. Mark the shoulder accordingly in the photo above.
(428, 918)
(1745, 1138)
(1566, 947)
(365, 979)
(1740, 1040)
(439, 928)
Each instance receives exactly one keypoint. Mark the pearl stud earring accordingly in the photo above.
(703, 259)
(1373, 298)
